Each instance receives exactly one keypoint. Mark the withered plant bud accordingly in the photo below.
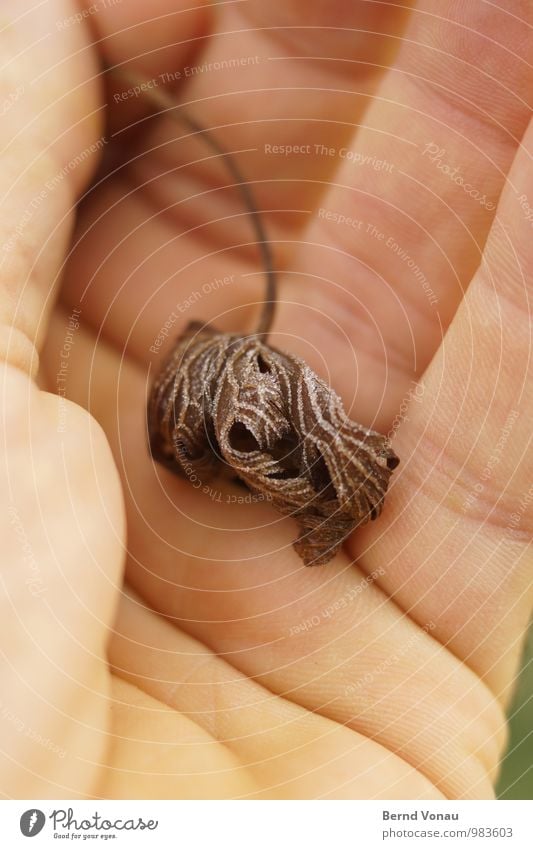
(227, 404)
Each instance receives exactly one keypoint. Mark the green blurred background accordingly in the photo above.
(516, 778)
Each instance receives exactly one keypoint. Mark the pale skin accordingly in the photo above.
(195, 656)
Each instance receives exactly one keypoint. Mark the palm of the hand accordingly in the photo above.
(326, 686)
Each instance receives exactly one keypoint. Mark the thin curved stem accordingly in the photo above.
(166, 102)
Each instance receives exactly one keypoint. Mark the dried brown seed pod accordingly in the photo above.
(232, 403)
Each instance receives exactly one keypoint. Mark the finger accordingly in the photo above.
(132, 271)
(394, 244)
(62, 529)
(164, 33)
(326, 639)
(58, 479)
(458, 528)
(297, 84)
(157, 753)
(49, 146)
(282, 750)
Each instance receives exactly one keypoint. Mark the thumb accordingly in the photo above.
(62, 529)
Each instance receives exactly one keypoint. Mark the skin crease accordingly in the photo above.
(179, 663)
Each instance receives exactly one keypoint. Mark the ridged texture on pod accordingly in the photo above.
(231, 404)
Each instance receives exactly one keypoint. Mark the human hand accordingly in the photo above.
(227, 669)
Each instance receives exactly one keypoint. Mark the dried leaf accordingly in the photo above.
(232, 404)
